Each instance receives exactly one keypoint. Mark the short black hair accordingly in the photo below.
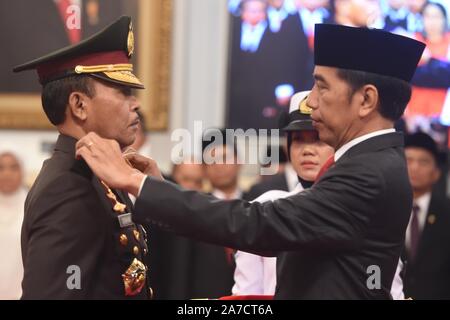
(394, 94)
(55, 95)
(423, 141)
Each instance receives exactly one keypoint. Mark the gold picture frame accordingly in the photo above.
(154, 28)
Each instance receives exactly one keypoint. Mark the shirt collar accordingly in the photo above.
(291, 177)
(342, 150)
(423, 201)
(237, 194)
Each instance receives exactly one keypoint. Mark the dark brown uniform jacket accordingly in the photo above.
(69, 223)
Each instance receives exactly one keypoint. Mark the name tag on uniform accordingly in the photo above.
(125, 220)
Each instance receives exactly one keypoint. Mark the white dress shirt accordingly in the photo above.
(257, 275)
(291, 177)
(311, 18)
(237, 194)
(251, 36)
(276, 18)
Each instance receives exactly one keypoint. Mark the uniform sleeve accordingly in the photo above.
(248, 275)
(332, 215)
(65, 239)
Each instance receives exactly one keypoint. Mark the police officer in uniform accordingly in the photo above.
(78, 239)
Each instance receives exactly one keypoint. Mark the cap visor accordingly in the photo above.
(299, 125)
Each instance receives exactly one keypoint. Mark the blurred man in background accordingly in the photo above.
(189, 175)
(427, 240)
(223, 175)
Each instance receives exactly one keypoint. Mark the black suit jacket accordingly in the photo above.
(354, 218)
(69, 221)
(428, 276)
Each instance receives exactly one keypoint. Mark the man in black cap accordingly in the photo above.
(427, 240)
(78, 240)
(345, 234)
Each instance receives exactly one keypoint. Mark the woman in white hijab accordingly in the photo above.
(12, 199)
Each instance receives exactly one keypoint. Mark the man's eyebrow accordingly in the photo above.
(318, 77)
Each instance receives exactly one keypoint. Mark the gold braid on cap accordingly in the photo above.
(104, 68)
(121, 72)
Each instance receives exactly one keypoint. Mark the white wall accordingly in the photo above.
(198, 83)
(199, 66)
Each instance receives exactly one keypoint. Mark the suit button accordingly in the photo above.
(123, 240)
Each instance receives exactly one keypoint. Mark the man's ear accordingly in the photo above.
(78, 103)
(369, 100)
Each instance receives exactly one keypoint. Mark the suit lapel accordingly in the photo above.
(124, 198)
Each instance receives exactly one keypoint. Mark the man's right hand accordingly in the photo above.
(147, 166)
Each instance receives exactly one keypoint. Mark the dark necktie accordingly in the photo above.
(414, 232)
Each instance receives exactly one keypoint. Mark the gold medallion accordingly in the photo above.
(134, 278)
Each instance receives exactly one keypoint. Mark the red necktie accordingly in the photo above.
(73, 34)
(229, 255)
(414, 232)
(325, 167)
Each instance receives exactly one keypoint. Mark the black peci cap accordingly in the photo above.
(370, 50)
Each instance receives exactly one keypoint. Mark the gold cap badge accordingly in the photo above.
(304, 108)
(130, 40)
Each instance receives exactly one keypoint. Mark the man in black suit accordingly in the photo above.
(427, 240)
(78, 239)
(342, 239)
